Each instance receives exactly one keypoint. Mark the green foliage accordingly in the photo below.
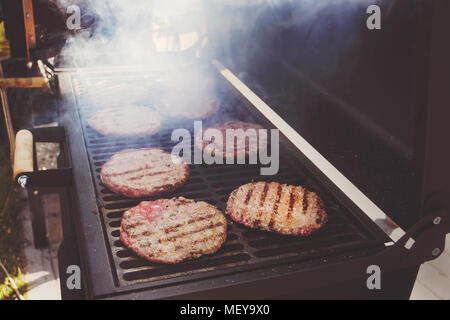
(6, 290)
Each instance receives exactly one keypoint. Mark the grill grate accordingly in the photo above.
(244, 248)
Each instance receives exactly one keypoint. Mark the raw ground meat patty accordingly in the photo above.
(109, 93)
(290, 210)
(239, 150)
(144, 172)
(126, 121)
(173, 230)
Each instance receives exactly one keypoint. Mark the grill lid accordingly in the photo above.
(358, 96)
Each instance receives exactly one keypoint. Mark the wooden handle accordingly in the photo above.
(23, 154)
(33, 82)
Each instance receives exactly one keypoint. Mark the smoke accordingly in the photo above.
(132, 33)
(160, 39)
(306, 11)
(169, 35)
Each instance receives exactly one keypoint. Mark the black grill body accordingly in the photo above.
(245, 248)
(251, 264)
(333, 262)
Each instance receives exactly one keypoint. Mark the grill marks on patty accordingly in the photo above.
(126, 121)
(277, 200)
(143, 172)
(263, 198)
(248, 196)
(187, 233)
(275, 207)
(173, 230)
(292, 200)
(291, 210)
(305, 200)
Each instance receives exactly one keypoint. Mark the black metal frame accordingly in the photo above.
(40, 182)
(432, 156)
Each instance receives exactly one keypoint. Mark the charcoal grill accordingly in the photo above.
(244, 249)
(332, 263)
(110, 270)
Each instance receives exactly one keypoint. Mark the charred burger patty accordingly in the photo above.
(173, 230)
(144, 172)
(285, 209)
(244, 148)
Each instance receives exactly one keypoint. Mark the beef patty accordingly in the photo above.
(110, 93)
(204, 140)
(197, 108)
(290, 210)
(144, 172)
(173, 230)
(126, 121)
